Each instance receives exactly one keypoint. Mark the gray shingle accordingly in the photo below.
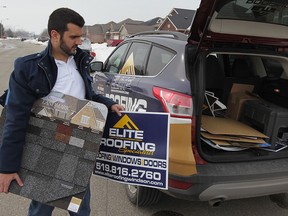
(67, 167)
(48, 162)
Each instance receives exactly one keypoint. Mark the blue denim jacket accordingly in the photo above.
(33, 77)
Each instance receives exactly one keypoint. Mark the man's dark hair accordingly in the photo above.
(59, 19)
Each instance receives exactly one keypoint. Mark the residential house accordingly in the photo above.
(95, 33)
(179, 20)
(155, 22)
(114, 31)
(100, 33)
(130, 29)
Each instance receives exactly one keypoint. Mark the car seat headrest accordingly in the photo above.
(241, 68)
(274, 69)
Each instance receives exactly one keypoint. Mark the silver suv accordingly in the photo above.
(226, 88)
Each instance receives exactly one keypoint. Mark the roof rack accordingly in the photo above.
(168, 34)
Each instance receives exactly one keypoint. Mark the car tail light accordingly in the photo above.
(179, 184)
(176, 103)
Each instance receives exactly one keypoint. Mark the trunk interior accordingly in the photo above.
(243, 104)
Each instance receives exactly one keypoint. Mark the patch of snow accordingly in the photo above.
(102, 51)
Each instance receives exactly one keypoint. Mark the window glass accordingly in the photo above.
(272, 11)
(114, 62)
(136, 59)
(158, 59)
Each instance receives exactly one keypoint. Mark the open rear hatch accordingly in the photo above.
(239, 122)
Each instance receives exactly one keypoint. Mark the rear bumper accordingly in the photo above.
(232, 190)
(237, 190)
(229, 181)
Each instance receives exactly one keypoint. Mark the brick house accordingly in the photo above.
(178, 20)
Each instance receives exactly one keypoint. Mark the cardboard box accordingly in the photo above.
(240, 87)
(235, 103)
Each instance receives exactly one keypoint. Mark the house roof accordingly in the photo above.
(111, 26)
(154, 21)
(181, 18)
(133, 29)
(94, 29)
(130, 21)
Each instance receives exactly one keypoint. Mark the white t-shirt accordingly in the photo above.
(69, 80)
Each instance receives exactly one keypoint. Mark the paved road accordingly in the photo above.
(108, 198)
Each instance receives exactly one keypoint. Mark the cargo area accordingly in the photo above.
(244, 107)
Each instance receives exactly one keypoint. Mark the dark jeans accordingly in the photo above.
(37, 208)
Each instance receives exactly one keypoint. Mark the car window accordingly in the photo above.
(136, 59)
(158, 59)
(114, 62)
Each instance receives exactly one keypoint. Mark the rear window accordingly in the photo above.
(274, 12)
(159, 58)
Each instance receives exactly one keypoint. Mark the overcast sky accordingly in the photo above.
(32, 15)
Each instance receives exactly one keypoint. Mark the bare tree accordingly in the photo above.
(1, 30)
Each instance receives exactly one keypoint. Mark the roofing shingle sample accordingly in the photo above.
(58, 157)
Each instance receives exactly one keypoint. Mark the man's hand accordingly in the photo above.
(117, 108)
(6, 179)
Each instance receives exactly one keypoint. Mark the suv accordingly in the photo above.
(225, 87)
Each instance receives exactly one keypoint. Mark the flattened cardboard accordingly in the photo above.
(220, 142)
(243, 145)
(226, 126)
(62, 141)
(231, 138)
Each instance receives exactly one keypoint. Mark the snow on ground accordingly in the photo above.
(102, 51)
(34, 41)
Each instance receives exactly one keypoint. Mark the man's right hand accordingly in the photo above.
(6, 179)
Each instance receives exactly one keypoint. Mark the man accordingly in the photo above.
(61, 67)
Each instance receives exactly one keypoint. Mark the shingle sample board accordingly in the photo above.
(62, 141)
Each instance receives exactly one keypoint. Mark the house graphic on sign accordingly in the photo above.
(84, 113)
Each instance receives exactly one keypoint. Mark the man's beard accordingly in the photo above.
(66, 50)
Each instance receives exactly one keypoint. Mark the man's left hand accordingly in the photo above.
(117, 108)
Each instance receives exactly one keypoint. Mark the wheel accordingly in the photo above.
(142, 196)
(280, 199)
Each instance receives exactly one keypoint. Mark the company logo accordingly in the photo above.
(130, 104)
(126, 122)
(126, 136)
(128, 67)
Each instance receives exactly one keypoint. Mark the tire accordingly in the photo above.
(280, 199)
(142, 196)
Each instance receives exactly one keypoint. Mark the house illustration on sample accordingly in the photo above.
(70, 110)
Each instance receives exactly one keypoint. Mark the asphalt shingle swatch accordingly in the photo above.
(60, 150)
